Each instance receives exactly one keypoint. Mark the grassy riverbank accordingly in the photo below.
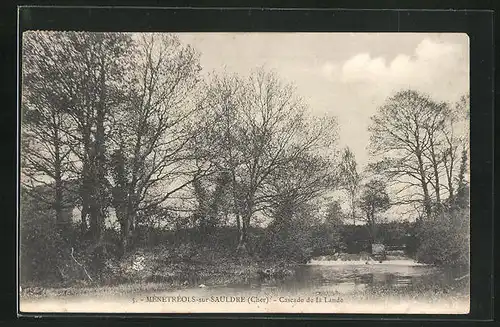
(164, 268)
(425, 292)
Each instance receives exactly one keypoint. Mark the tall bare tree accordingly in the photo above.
(98, 62)
(297, 184)
(350, 180)
(45, 152)
(407, 134)
(264, 129)
(152, 129)
(218, 142)
(456, 153)
(81, 72)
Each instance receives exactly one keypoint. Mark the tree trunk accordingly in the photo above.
(353, 211)
(437, 186)
(58, 183)
(461, 196)
(238, 224)
(86, 182)
(130, 229)
(449, 177)
(369, 225)
(373, 225)
(98, 211)
(246, 217)
(125, 235)
(243, 236)
(425, 189)
(374, 231)
(83, 223)
(58, 200)
(95, 227)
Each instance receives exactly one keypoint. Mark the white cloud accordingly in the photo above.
(358, 85)
(438, 68)
(427, 49)
(363, 67)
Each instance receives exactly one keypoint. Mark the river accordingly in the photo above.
(398, 286)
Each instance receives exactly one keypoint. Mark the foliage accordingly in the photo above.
(373, 201)
(327, 238)
(40, 243)
(290, 235)
(445, 239)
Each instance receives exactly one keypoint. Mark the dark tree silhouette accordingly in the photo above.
(373, 201)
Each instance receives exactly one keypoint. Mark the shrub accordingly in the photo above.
(40, 250)
(290, 241)
(444, 240)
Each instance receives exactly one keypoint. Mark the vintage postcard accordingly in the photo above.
(244, 172)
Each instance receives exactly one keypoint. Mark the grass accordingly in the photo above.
(428, 292)
(38, 292)
(164, 268)
(171, 268)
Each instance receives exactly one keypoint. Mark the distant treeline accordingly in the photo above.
(351, 239)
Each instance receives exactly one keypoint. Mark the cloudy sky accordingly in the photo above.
(345, 74)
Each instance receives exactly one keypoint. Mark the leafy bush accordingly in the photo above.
(445, 239)
(40, 244)
(291, 241)
(47, 257)
(326, 240)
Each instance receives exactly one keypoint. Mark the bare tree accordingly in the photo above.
(212, 201)
(300, 183)
(264, 129)
(44, 153)
(98, 62)
(275, 132)
(216, 144)
(152, 129)
(455, 151)
(82, 74)
(407, 133)
(419, 140)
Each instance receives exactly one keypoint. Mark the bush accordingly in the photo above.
(445, 239)
(290, 241)
(326, 240)
(52, 254)
(41, 244)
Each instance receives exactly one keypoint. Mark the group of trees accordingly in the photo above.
(269, 155)
(96, 112)
(422, 150)
(423, 147)
(126, 125)
(419, 161)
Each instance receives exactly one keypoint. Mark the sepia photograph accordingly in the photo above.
(234, 172)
